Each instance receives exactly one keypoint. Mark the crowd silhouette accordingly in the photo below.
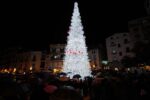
(105, 85)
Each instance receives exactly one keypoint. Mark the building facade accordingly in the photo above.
(28, 61)
(119, 45)
(140, 29)
(56, 55)
(94, 58)
(37, 61)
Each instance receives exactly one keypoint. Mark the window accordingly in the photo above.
(112, 44)
(120, 53)
(114, 52)
(127, 49)
(33, 66)
(55, 57)
(34, 58)
(62, 50)
(126, 41)
(94, 57)
(43, 57)
(119, 45)
(111, 38)
(137, 36)
(124, 34)
(135, 29)
(53, 50)
(114, 59)
(62, 56)
(42, 64)
(93, 52)
(58, 50)
(51, 57)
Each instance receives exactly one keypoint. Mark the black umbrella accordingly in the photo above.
(77, 76)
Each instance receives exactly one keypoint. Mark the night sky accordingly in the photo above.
(35, 25)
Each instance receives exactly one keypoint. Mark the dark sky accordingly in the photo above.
(38, 24)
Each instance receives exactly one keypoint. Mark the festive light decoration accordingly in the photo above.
(76, 57)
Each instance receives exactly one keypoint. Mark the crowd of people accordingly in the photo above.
(105, 85)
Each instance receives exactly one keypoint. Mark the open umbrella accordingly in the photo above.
(77, 76)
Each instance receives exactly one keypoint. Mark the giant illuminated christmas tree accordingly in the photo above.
(76, 56)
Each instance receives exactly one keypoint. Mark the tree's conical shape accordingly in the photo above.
(76, 56)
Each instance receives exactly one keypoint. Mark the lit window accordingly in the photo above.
(114, 52)
(55, 57)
